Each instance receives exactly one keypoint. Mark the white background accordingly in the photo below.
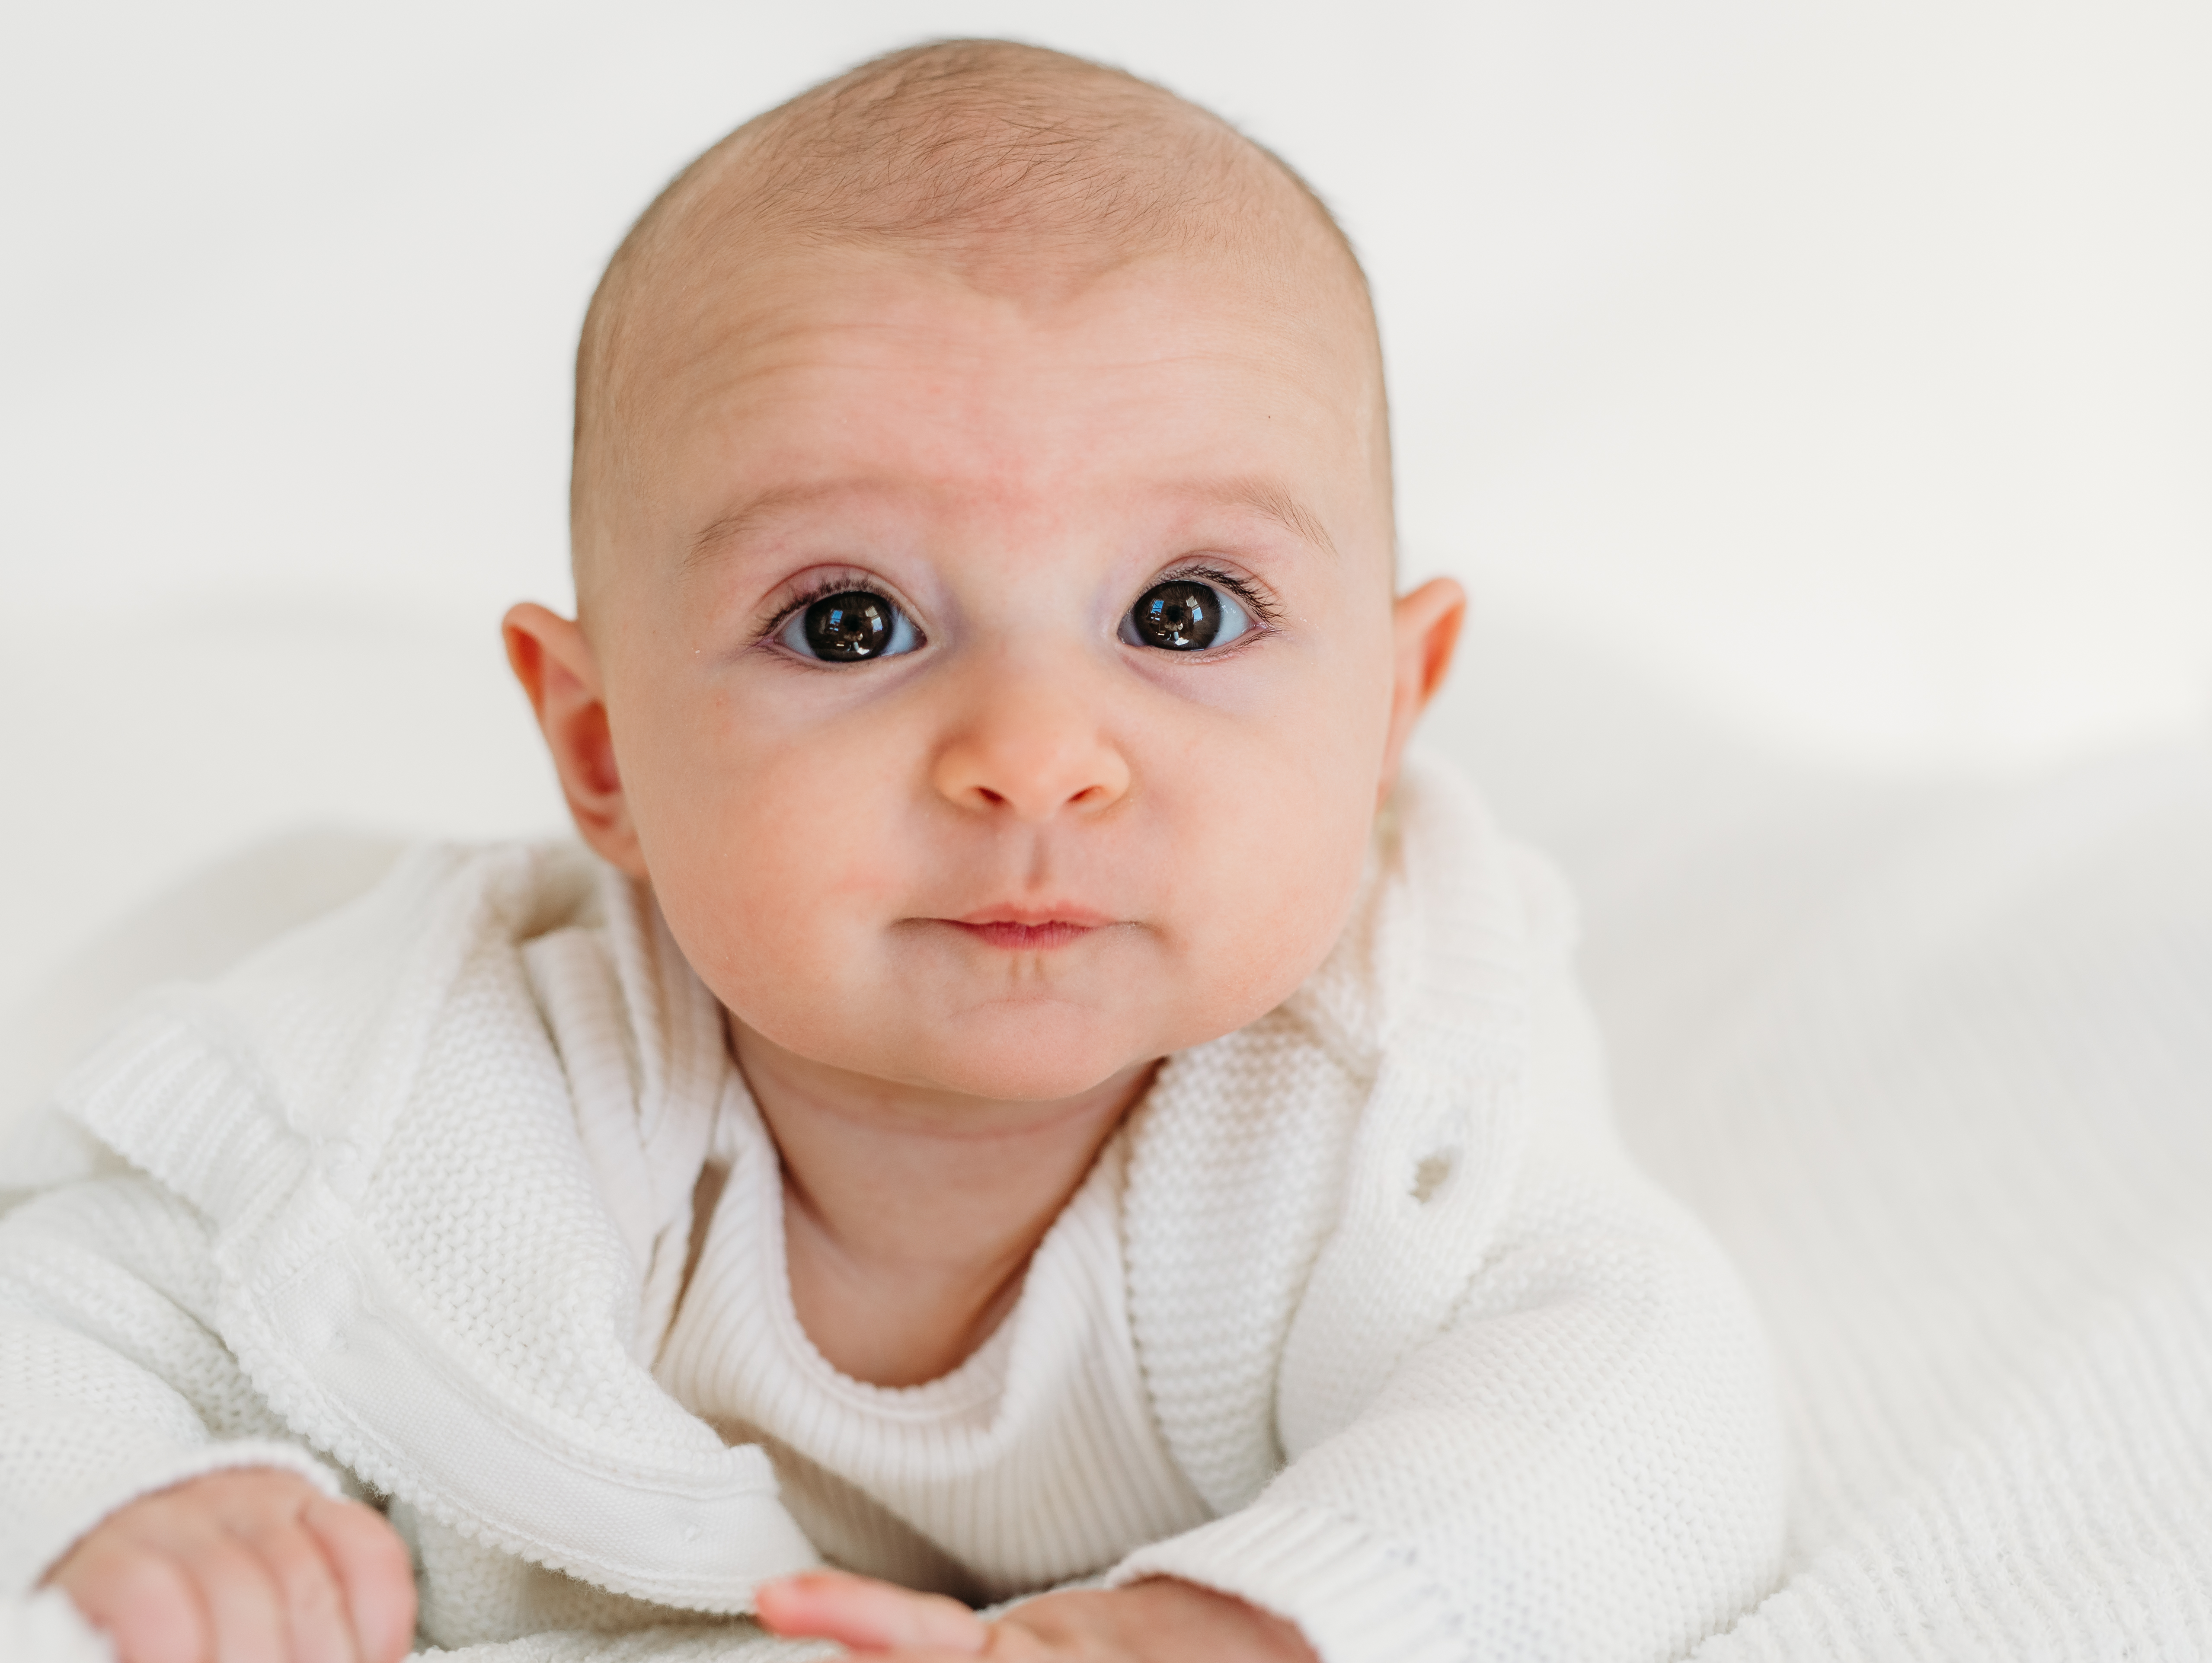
(1844, 367)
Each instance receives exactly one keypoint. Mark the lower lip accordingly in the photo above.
(1025, 938)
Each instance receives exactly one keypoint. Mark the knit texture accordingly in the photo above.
(1936, 1065)
(46, 1628)
(1400, 1346)
(1036, 1461)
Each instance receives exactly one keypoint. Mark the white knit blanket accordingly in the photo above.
(1936, 1066)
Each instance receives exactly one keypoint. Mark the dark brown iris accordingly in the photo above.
(850, 625)
(1181, 616)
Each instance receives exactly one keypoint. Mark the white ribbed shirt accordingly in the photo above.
(1036, 1461)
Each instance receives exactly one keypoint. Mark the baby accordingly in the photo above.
(1027, 1095)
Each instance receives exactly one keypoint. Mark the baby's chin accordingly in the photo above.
(1043, 1062)
(1028, 1052)
(1035, 1078)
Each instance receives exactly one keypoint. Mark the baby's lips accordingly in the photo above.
(1017, 937)
(1068, 912)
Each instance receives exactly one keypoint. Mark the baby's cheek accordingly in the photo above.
(1286, 851)
(770, 894)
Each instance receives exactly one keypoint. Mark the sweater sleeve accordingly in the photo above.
(1587, 1462)
(113, 1383)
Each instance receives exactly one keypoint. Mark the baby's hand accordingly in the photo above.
(1155, 1622)
(251, 1566)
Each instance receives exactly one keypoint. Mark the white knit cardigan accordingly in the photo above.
(1456, 1381)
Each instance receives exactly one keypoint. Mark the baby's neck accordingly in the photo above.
(910, 1214)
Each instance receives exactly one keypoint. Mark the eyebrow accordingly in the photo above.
(714, 537)
(1271, 501)
(1260, 496)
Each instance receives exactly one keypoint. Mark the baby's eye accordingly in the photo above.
(1185, 615)
(848, 626)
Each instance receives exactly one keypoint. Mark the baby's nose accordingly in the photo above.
(1031, 751)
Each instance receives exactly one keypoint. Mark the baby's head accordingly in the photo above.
(985, 643)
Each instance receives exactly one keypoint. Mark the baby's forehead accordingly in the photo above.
(1033, 316)
(877, 393)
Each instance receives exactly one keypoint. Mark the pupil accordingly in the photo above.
(1182, 616)
(853, 625)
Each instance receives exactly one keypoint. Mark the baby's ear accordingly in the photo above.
(1424, 634)
(553, 659)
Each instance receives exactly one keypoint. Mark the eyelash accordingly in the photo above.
(1258, 605)
(821, 588)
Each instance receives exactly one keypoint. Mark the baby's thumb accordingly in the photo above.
(867, 1615)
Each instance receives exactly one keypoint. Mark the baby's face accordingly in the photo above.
(1000, 691)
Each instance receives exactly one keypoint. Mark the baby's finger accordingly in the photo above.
(143, 1599)
(1004, 1645)
(245, 1606)
(869, 1616)
(314, 1605)
(374, 1572)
